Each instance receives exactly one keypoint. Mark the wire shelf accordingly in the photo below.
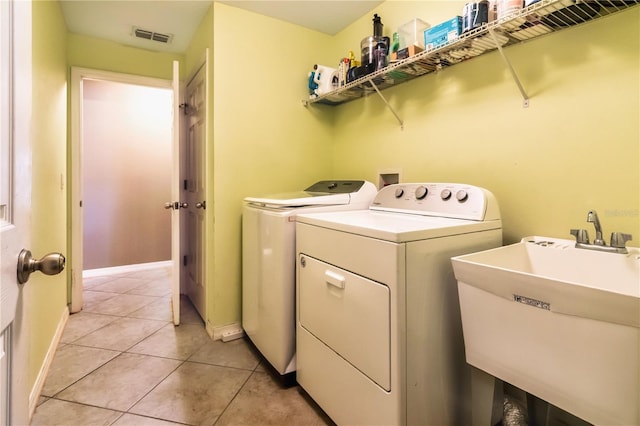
(538, 19)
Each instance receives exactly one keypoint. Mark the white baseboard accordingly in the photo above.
(46, 364)
(228, 332)
(88, 273)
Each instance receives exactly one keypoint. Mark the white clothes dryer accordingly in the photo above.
(379, 337)
(268, 261)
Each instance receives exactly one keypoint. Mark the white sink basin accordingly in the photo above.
(558, 322)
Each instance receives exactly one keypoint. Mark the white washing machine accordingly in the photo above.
(379, 338)
(268, 261)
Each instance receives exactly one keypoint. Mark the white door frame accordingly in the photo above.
(76, 225)
(176, 194)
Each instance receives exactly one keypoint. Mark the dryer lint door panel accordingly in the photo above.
(348, 313)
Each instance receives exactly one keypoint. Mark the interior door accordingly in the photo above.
(175, 195)
(195, 185)
(15, 202)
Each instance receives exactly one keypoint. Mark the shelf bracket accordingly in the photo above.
(525, 98)
(387, 104)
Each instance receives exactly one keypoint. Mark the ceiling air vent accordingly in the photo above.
(150, 35)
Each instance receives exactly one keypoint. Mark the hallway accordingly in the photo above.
(122, 362)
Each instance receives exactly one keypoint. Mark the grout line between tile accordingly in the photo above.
(234, 397)
(152, 389)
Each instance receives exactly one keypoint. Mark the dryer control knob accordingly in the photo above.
(462, 195)
(399, 192)
(421, 192)
(445, 194)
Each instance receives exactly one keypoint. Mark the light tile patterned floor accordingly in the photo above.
(122, 362)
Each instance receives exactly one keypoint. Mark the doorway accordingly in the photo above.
(79, 77)
(126, 174)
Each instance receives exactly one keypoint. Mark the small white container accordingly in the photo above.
(412, 33)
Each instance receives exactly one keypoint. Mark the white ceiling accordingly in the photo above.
(115, 19)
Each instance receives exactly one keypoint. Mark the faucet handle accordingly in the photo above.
(619, 239)
(582, 236)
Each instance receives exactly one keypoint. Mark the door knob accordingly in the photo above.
(202, 205)
(176, 205)
(50, 264)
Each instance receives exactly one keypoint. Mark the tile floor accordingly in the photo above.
(122, 362)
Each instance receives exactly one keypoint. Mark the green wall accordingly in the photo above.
(46, 296)
(264, 140)
(202, 39)
(90, 52)
(575, 148)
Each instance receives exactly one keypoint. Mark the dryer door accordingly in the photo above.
(348, 313)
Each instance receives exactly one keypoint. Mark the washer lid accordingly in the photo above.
(299, 199)
(325, 192)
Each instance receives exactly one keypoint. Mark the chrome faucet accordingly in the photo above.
(592, 217)
(618, 239)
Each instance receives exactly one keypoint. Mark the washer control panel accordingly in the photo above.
(438, 199)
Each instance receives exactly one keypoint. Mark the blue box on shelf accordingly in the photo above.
(443, 33)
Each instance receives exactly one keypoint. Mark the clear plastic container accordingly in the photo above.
(412, 33)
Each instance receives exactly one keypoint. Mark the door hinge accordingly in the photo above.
(184, 260)
(185, 108)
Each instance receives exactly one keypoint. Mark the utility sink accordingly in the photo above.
(559, 322)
